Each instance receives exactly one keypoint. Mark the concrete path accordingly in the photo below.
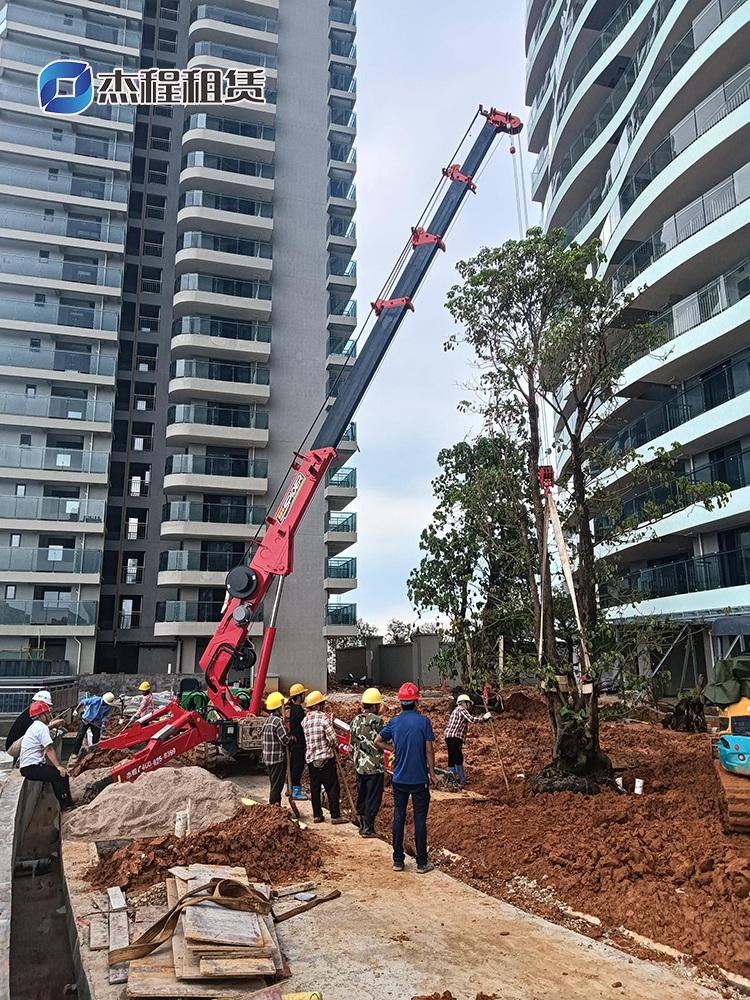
(398, 936)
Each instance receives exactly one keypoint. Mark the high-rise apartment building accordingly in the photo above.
(175, 308)
(640, 114)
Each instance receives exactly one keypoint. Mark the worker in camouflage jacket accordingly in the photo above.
(369, 761)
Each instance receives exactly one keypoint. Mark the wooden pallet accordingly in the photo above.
(735, 800)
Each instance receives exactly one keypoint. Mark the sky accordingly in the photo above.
(423, 68)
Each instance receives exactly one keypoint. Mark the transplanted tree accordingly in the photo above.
(545, 331)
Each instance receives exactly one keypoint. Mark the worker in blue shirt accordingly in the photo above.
(410, 736)
(93, 712)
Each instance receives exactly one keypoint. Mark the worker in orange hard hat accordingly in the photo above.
(410, 736)
(297, 753)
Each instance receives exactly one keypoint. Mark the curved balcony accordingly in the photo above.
(227, 174)
(193, 618)
(105, 280)
(229, 295)
(235, 256)
(540, 48)
(25, 315)
(229, 135)
(27, 512)
(207, 378)
(215, 474)
(212, 23)
(48, 618)
(18, 409)
(224, 338)
(225, 214)
(182, 519)
(32, 565)
(204, 423)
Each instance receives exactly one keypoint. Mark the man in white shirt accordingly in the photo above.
(38, 760)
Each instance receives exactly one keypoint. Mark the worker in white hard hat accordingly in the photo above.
(368, 760)
(24, 720)
(93, 712)
(275, 739)
(146, 706)
(455, 734)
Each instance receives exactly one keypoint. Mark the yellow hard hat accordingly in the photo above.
(296, 689)
(315, 698)
(275, 700)
(372, 697)
(144, 687)
(463, 697)
(108, 698)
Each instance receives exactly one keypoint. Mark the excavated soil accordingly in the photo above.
(659, 864)
(147, 807)
(261, 838)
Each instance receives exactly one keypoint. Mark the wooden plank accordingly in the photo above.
(231, 951)
(119, 937)
(149, 914)
(152, 978)
(116, 899)
(216, 924)
(98, 933)
(282, 968)
(292, 890)
(140, 928)
(232, 968)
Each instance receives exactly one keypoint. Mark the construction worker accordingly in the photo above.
(38, 760)
(146, 706)
(368, 760)
(24, 720)
(321, 743)
(94, 712)
(295, 716)
(410, 736)
(455, 734)
(276, 737)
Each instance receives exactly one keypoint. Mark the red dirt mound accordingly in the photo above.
(524, 706)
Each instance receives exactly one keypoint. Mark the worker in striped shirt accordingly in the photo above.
(455, 734)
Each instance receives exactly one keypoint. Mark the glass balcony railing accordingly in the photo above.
(219, 371)
(57, 459)
(343, 347)
(52, 509)
(342, 307)
(228, 164)
(58, 360)
(33, 56)
(217, 416)
(343, 117)
(233, 53)
(344, 48)
(225, 244)
(60, 225)
(230, 126)
(53, 559)
(345, 228)
(342, 16)
(342, 189)
(48, 612)
(350, 434)
(224, 329)
(342, 267)
(341, 614)
(684, 224)
(80, 187)
(714, 571)
(136, 5)
(67, 142)
(60, 315)
(225, 203)
(343, 478)
(60, 270)
(341, 81)
(217, 285)
(213, 513)
(26, 95)
(55, 407)
(341, 569)
(193, 611)
(216, 465)
(242, 20)
(179, 561)
(340, 152)
(730, 380)
(335, 384)
(92, 30)
(335, 521)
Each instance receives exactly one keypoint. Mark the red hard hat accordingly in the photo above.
(408, 692)
(38, 708)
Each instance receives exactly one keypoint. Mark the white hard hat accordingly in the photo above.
(108, 698)
(44, 696)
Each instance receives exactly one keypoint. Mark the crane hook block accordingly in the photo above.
(504, 121)
(380, 304)
(420, 236)
(453, 173)
(546, 478)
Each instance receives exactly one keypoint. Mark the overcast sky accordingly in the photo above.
(424, 67)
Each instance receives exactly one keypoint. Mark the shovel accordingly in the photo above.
(343, 781)
(494, 736)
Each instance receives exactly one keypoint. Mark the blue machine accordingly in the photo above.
(734, 753)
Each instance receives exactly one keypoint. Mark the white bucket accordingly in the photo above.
(639, 786)
(180, 823)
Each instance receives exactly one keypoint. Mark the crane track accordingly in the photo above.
(735, 794)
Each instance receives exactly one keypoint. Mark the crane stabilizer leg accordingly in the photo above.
(139, 732)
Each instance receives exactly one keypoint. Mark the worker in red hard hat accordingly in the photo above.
(38, 760)
(410, 737)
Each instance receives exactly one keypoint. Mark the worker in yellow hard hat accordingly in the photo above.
(294, 717)
(455, 734)
(322, 744)
(146, 706)
(368, 760)
(275, 739)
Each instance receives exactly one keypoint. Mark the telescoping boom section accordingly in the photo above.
(273, 559)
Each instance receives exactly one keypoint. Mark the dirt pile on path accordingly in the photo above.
(261, 838)
(146, 807)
